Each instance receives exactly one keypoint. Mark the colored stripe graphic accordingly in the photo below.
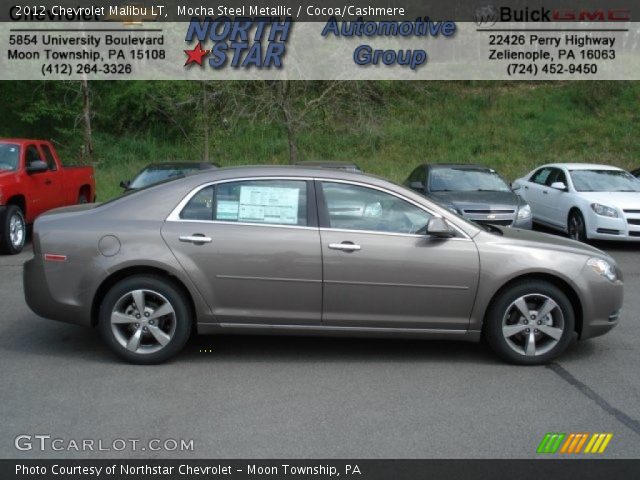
(573, 443)
(551, 442)
(598, 443)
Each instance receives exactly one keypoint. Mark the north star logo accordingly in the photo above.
(240, 43)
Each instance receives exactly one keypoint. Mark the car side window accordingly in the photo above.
(556, 176)
(48, 155)
(418, 175)
(31, 155)
(353, 207)
(272, 202)
(541, 176)
(200, 207)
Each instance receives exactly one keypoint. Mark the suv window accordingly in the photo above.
(353, 207)
(51, 162)
(274, 202)
(541, 176)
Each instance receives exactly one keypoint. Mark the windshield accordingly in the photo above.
(604, 181)
(466, 180)
(153, 175)
(9, 156)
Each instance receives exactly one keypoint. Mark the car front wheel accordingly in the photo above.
(577, 227)
(530, 323)
(14, 231)
(145, 319)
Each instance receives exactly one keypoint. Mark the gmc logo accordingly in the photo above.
(571, 15)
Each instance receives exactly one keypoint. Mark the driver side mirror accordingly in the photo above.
(125, 184)
(439, 228)
(559, 186)
(37, 166)
(417, 186)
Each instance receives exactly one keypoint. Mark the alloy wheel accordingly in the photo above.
(576, 227)
(533, 324)
(143, 321)
(16, 230)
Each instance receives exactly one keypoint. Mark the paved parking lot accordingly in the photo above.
(266, 397)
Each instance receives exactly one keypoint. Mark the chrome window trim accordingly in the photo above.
(174, 216)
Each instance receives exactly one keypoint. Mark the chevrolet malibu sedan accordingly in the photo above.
(587, 201)
(304, 251)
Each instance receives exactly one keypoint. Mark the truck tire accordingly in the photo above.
(14, 231)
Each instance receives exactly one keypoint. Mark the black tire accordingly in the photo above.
(504, 314)
(11, 244)
(576, 226)
(82, 198)
(156, 289)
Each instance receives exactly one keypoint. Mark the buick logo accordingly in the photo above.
(486, 16)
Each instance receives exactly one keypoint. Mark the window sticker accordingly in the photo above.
(269, 204)
(227, 210)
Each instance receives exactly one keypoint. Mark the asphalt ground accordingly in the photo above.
(288, 397)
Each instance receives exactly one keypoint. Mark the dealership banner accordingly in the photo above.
(316, 469)
(489, 40)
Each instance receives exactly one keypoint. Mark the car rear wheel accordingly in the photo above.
(82, 198)
(14, 231)
(145, 319)
(577, 227)
(530, 323)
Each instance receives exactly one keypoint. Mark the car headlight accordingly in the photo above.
(604, 268)
(524, 212)
(604, 211)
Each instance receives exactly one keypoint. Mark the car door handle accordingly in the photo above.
(48, 182)
(526, 188)
(345, 247)
(195, 238)
(545, 192)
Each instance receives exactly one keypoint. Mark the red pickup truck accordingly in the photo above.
(32, 181)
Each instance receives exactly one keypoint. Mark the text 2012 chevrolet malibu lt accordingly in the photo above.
(311, 251)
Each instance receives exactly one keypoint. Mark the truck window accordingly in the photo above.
(32, 155)
(48, 155)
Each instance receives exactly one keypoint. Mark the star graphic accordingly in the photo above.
(195, 55)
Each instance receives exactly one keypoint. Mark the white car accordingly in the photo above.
(586, 201)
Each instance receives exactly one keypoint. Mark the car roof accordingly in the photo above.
(169, 165)
(22, 140)
(580, 166)
(458, 166)
(330, 163)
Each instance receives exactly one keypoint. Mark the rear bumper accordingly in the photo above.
(42, 301)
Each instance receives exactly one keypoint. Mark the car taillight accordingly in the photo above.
(50, 257)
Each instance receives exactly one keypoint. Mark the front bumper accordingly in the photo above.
(601, 303)
(624, 229)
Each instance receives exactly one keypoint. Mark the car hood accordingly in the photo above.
(623, 200)
(478, 200)
(532, 239)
